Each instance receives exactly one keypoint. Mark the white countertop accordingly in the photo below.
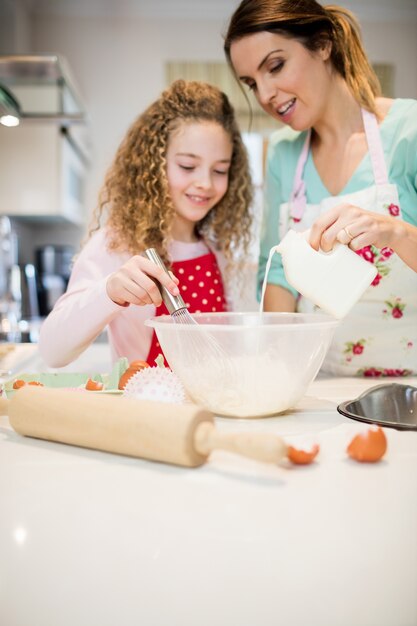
(95, 539)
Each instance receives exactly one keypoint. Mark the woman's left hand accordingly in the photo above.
(354, 227)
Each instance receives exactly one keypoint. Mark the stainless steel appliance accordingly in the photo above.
(53, 265)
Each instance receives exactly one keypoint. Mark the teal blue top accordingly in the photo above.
(399, 139)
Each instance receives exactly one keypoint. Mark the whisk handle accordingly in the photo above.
(172, 303)
(259, 446)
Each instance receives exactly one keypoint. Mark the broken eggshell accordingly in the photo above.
(368, 446)
(302, 451)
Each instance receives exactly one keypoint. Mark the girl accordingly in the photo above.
(179, 183)
(344, 165)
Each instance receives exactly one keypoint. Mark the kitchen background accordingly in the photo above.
(120, 54)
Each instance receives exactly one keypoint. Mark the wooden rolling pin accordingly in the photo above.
(182, 434)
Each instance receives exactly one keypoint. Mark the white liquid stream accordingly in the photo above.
(265, 281)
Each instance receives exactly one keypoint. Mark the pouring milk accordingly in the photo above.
(333, 280)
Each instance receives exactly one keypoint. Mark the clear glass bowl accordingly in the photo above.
(246, 364)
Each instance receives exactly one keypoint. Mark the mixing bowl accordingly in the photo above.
(246, 364)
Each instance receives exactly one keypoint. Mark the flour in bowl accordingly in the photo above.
(243, 386)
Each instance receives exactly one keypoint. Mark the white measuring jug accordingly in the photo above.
(333, 280)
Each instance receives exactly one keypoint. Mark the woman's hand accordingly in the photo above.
(133, 284)
(356, 228)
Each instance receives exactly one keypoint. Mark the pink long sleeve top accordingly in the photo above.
(85, 309)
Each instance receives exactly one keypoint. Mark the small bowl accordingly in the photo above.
(392, 405)
(246, 364)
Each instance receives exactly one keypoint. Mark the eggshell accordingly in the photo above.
(303, 456)
(92, 385)
(18, 383)
(134, 366)
(369, 446)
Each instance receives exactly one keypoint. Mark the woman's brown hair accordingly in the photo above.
(135, 193)
(314, 26)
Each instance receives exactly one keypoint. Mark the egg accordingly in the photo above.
(303, 455)
(369, 446)
(93, 385)
(134, 366)
(18, 383)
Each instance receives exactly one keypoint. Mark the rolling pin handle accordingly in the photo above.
(262, 447)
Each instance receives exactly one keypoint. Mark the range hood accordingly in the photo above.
(38, 88)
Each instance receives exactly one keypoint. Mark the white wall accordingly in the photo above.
(395, 42)
(119, 67)
(118, 63)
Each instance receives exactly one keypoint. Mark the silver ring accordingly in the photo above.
(349, 234)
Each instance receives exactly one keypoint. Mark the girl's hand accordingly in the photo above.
(133, 284)
(356, 228)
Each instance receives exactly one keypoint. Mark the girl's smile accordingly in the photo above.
(198, 200)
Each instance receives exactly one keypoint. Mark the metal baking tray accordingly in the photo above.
(391, 405)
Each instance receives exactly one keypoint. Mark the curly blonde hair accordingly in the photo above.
(135, 193)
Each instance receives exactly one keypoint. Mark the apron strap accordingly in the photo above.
(376, 151)
(298, 199)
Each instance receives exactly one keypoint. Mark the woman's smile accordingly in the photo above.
(286, 110)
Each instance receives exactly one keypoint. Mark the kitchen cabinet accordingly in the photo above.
(42, 173)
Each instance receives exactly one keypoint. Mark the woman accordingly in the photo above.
(344, 165)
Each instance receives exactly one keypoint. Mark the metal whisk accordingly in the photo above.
(196, 343)
(175, 304)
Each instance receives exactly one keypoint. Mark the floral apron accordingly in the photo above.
(379, 335)
(201, 287)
